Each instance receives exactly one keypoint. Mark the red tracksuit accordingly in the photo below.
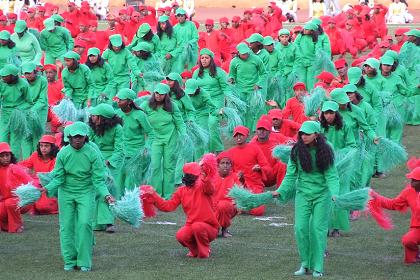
(201, 225)
(12, 177)
(244, 157)
(288, 128)
(225, 209)
(407, 198)
(44, 205)
(295, 109)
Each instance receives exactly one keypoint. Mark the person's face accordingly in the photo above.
(224, 25)
(68, 61)
(308, 138)
(31, 76)
(307, 32)
(162, 25)
(254, 46)
(93, 58)
(399, 38)
(263, 134)
(7, 79)
(414, 183)
(205, 60)
(276, 122)
(50, 74)
(383, 50)
(171, 83)
(123, 103)
(331, 25)
(116, 49)
(368, 70)
(77, 141)
(342, 106)
(5, 158)
(12, 20)
(284, 39)
(144, 12)
(411, 38)
(244, 56)
(235, 24)
(209, 28)
(31, 15)
(329, 116)
(342, 71)
(83, 28)
(352, 97)
(111, 23)
(349, 26)
(240, 139)
(136, 18)
(269, 48)
(225, 166)
(45, 148)
(299, 93)
(3, 42)
(96, 120)
(92, 28)
(181, 18)
(79, 49)
(270, 10)
(70, 8)
(247, 16)
(3, 22)
(386, 68)
(159, 97)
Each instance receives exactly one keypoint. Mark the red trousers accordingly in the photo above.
(10, 218)
(411, 242)
(225, 211)
(197, 237)
(45, 206)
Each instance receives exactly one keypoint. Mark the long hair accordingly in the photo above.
(106, 123)
(167, 103)
(149, 36)
(52, 154)
(314, 35)
(320, 30)
(100, 62)
(361, 82)
(177, 90)
(168, 30)
(10, 44)
(324, 156)
(338, 121)
(189, 180)
(212, 69)
(110, 46)
(74, 66)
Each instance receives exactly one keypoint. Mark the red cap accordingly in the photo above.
(384, 44)
(401, 31)
(144, 8)
(41, 9)
(167, 9)
(275, 114)
(209, 22)
(224, 19)
(358, 8)
(71, 4)
(223, 155)
(258, 11)
(12, 15)
(247, 12)
(320, 84)
(175, 4)
(4, 147)
(84, 4)
(340, 63)
(123, 11)
(241, 130)
(297, 28)
(357, 62)
(93, 23)
(272, 4)
(351, 11)
(414, 174)
(50, 67)
(299, 85)
(161, 9)
(377, 6)
(143, 93)
(47, 139)
(387, 37)
(326, 77)
(263, 123)
(331, 20)
(192, 168)
(31, 10)
(186, 75)
(3, 18)
(236, 19)
(79, 43)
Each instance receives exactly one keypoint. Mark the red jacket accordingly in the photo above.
(54, 92)
(12, 177)
(223, 186)
(35, 163)
(295, 109)
(288, 128)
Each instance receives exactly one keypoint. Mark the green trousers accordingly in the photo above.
(339, 218)
(76, 213)
(311, 228)
(306, 75)
(52, 58)
(216, 144)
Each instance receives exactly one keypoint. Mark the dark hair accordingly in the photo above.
(52, 154)
(338, 121)
(320, 30)
(324, 154)
(177, 90)
(359, 97)
(100, 62)
(168, 30)
(143, 54)
(314, 35)
(361, 82)
(106, 123)
(212, 69)
(10, 44)
(395, 65)
(189, 180)
(70, 137)
(74, 66)
(167, 103)
(110, 46)
(148, 36)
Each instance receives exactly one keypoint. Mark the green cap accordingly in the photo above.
(256, 37)
(77, 128)
(350, 88)
(143, 30)
(9, 69)
(126, 93)
(310, 26)
(180, 11)
(72, 55)
(372, 62)
(413, 32)
(162, 88)
(28, 67)
(57, 18)
(116, 40)
(317, 21)
(268, 40)
(20, 26)
(104, 110)
(94, 51)
(4, 35)
(329, 106)
(392, 54)
(191, 86)
(284, 31)
(339, 96)
(49, 24)
(174, 77)
(142, 46)
(207, 52)
(387, 60)
(243, 48)
(354, 74)
(163, 18)
(66, 134)
(310, 127)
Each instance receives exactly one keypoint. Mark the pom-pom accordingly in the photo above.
(149, 208)
(129, 208)
(198, 135)
(247, 200)
(45, 177)
(355, 200)
(394, 118)
(66, 111)
(234, 101)
(257, 101)
(232, 119)
(412, 163)
(323, 63)
(209, 164)
(35, 125)
(282, 152)
(379, 215)
(313, 101)
(391, 154)
(19, 124)
(27, 194)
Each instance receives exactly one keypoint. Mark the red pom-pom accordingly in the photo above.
(378, 214)
(412, 163)
(209, 164)
(149, 209)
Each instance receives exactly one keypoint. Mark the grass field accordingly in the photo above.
(257, 250)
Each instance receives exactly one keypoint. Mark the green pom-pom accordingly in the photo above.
(355, 200)
(247, 200)
(45, 177)
(27, 194)
(394, 118)
(282, 152)
(137, 167)
(313, 101)
(66, 111)
(346, 161)
(391, 154)
(233, 100)
(198, 135)
(323, 63)
(257, 101)
(35, 125)
(18, 124)
(232, 119)
(129, 208)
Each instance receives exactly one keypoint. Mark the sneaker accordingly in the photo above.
(302, 271)
(317, 274)
(68, 267)
(355, 215)
(110, 229)
(326, 254)
(84, 269)
(335, 233)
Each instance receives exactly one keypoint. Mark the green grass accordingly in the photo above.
(257, 250)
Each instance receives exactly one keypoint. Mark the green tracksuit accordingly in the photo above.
(8, 56)
(305, 57)
(152, 74)
(78, 85)
(154, 43)
(27, 48)
(167, 45)
(286, 68)
(103, 84)
(186, 34)
(55, 44)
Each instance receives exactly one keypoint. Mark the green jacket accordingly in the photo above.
(39, 94)
(356, 121)
(274, 59)
(56, 43)
(306, 50)
(372, 97)
(185, 105)
(78, 85)
(216, 86)
(203, 105)
(15, 96)
(167, 45)
(110, 144)
(8, 56)
(287, 58)
(103, 80)
(339, 138)
(121, 63)
(248, 73)
(27, 48)
(185, 33)
(154, 43)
